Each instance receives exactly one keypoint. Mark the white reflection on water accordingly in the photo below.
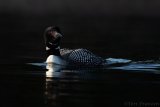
(53, 70)
(151, 67)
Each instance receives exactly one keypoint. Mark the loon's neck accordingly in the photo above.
(55, 52)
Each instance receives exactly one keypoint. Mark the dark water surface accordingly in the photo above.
(21, 86)
(28, 86)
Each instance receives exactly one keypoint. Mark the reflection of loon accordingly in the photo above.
(76, 57)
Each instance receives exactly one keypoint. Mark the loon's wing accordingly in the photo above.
(81, 57)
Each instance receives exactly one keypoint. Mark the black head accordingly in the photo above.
(47, 31)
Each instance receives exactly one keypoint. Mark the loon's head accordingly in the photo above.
(52, 37)
(48, 33)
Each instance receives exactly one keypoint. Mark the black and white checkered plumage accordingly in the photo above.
(81, 57)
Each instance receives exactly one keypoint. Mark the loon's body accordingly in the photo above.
(76, 57)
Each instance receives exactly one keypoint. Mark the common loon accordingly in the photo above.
(76, 57)
(56, 55)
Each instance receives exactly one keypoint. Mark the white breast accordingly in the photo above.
(56, 60)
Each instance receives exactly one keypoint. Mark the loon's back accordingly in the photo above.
(81, 57)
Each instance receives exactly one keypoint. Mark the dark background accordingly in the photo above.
(109, 28)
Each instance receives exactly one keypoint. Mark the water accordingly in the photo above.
(128, 33)
(101, 87)
(134, 84)
(21, 86)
